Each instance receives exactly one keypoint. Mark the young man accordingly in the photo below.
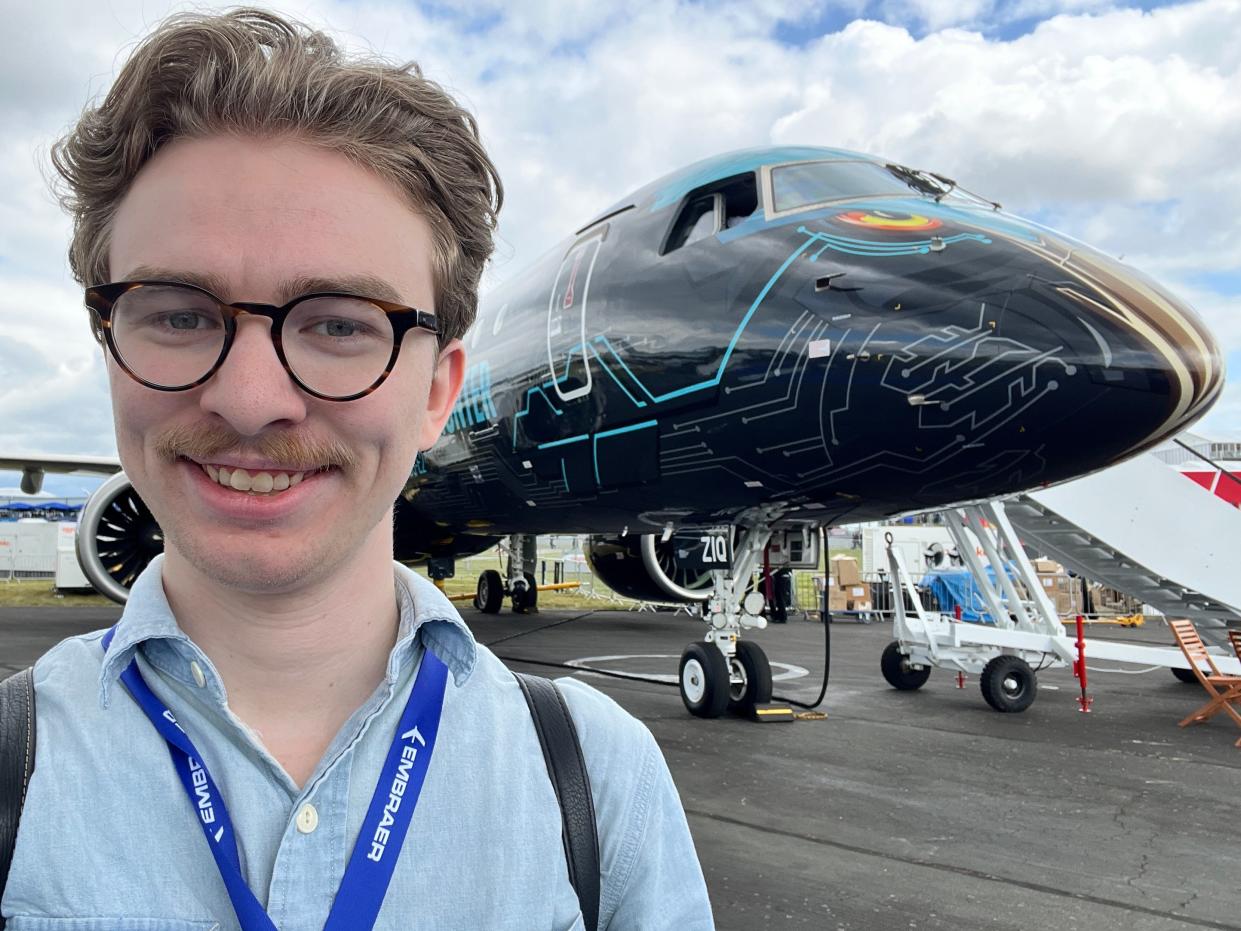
(281, 248)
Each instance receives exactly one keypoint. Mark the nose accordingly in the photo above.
(252, 390)
(1167, 338)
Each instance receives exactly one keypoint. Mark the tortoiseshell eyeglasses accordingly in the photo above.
(172, 336)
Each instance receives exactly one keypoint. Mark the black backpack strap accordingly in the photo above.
(16, 761)
(563, 754)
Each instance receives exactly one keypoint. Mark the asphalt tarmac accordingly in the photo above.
(904, 810)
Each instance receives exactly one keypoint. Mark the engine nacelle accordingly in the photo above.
(648, 568)
(117, 538)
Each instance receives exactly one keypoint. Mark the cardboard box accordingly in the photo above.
(1048, 567)
(1064, 592)
(837, 600)
(845, 571)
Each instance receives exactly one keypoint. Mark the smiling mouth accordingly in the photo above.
(254, 482)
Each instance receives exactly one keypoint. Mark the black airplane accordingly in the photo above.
(759, 345)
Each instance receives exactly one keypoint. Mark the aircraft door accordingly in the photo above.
(566, 317)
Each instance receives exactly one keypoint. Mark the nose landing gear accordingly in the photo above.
(722, 672)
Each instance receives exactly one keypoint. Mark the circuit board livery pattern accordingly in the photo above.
(907, 345)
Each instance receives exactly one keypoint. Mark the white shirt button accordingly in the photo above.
(307, 819)
(197, 670)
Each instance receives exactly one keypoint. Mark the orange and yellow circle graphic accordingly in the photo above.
(888, 220)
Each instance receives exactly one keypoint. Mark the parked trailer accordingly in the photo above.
(1026, 635)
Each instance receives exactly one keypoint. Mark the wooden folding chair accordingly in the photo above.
(1225, 690)
(1234, 637)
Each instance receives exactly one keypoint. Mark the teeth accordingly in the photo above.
(260, 483)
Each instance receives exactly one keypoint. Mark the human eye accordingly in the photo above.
(184, 321)
(340, 325)
(340, 328)
(166, 317)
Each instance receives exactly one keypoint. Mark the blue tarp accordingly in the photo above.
(952, 587)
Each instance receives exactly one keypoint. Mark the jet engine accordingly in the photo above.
(117, 537)
(649, 568)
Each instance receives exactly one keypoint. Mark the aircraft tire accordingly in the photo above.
(704, 680)
(1008, 684)
(490, 594)
(1184, 675)
(895, 667)
(755, 685)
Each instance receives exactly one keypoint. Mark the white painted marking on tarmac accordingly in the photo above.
(780, 672)
(819, 348)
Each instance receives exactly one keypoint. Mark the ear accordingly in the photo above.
(445, 386)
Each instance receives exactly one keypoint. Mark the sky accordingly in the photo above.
(1116, 123)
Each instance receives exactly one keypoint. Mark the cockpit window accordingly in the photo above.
(712, 208)
(807, 183)
(701, 218)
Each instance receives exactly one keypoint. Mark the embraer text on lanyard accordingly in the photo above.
(378, 846)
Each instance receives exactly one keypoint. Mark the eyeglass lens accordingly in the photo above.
(171, 337)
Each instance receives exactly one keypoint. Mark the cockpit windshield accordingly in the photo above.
(807, 183)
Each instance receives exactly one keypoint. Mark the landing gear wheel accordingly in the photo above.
(1184, 675)
(526, 600)
(704, 680)
(1008, 684)
(754, 671)
(898, 672)
(490, 593)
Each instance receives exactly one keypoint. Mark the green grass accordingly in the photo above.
(34, 593)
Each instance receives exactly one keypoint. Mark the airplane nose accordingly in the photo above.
(1000, 356)
(1149, 333)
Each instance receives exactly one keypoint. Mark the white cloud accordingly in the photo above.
(1119, 127)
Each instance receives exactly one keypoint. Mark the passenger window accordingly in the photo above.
(712, 208)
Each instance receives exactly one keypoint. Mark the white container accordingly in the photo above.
(69, 573)
(35, 552)
(8, 548)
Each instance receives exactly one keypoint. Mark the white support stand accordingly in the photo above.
(1024, 627)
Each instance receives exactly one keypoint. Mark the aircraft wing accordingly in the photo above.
(34, 466)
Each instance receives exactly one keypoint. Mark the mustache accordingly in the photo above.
(290, 450)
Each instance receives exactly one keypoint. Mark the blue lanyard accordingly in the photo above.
(375, 852)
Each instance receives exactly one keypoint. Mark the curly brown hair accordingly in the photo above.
(254, 72)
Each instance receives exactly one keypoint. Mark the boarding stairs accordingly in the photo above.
(1144, 529)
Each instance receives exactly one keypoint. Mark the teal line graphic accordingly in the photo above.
(564, 475)
(811, 238)
(712, 382)
(637, 402)
(530, 392)
(852, 246)
(629, 429)
(572, 439)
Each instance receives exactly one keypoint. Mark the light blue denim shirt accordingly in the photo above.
(109, 841)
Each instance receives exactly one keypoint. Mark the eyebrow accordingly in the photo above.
(361, 285)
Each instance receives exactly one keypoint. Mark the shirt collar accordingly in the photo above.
(427, 618)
